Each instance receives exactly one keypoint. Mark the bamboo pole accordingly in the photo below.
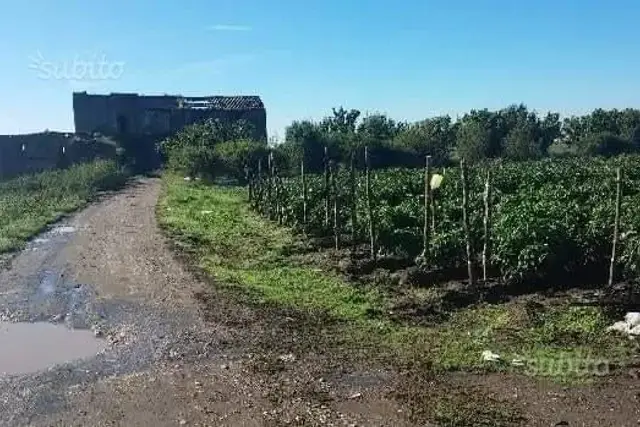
(304, 197)
(426, 232)
(276, 193)
(433, 212)
(372, 235)
(465, 221)
(486, 250)
(326, 187)
(249, 178)
(334, 190)
(616, 226)
(259, 200)
(269, 184)
(354, 205)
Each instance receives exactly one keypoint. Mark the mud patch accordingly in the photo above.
(32, 347)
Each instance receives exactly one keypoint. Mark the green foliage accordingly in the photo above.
(550, 217)
(474, 141)
(514, 132)
(522, 143)
(434, 137)
(605, 144)
(30, 202)
(617, 122)
(192, 150)
(234, 156)
(635, 138)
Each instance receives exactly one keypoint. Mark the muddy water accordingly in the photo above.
(32, 347)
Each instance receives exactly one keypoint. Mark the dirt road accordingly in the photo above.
(165, 361)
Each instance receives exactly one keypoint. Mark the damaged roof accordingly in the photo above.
(223, 102)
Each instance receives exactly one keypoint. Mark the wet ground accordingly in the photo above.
(77, 307)
(99, 326)
(31, 347)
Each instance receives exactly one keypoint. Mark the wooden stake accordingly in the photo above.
(426, 232)
(326, 187)
(616, 226)
(354, 205)
(334, 190)
(269, 184)
(304, 197)
(465, 220)
(372, 235)
(259, 200)
(249, 178)
(486, 250)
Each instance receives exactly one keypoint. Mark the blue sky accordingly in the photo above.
(411, 59)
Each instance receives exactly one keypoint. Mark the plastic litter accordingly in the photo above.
(490, 356)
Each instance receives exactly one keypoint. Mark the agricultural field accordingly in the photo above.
(550, 220)
(444, 343)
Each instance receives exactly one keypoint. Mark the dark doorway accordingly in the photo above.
(123, 125)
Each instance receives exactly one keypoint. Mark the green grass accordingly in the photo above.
(248, 252)
(568, 344)
(31, 202)
(240, 248)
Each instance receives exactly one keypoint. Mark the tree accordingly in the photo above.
(523, 142)
(635, 137)
(342, 121)
(489, 127)
(473, 141)
(435, 137)
(304, 139)
(605, 144)
(234, 156)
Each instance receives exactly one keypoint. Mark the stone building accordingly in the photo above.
(138, 115)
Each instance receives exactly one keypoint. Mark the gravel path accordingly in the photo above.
(108, 269)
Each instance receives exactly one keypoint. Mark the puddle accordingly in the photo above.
(32, 347)
(48, 282)
(63, 230)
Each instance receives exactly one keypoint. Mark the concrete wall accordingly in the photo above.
(20, 154)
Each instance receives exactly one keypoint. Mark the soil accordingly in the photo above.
(181, 351)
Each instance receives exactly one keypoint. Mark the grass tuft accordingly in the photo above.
(31, 202)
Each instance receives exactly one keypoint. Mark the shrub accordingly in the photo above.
(233, 156)
(605, 144)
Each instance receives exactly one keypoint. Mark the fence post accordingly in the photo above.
(259, 189)
(465, 220)
(354, 205)
(372, 234)
(426, 232)
(269, 184)
(334, 190)
(486, 250)
(326, 187)
(304, 196)
(616, 226)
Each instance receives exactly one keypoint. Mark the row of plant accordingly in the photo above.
(544, 218)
